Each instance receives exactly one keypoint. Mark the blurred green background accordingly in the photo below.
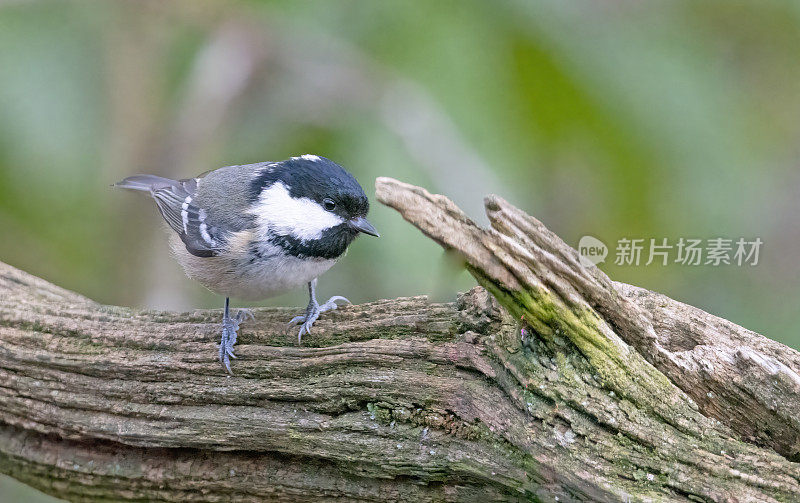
(659, 119)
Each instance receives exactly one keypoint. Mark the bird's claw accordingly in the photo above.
(243, 314)
(306, 320)
(331, 305)
(230, 328)
(312, 314)
(307, 324)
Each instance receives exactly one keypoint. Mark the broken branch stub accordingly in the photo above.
(744, 380)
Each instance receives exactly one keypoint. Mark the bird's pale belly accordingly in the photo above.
(247, 279)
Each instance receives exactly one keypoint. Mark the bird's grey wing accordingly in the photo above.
(190, 220)
(175, 201)
(226, 195)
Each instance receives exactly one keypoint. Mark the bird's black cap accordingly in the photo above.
(318, 179)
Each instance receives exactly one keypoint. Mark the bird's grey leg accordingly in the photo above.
(230, 327)
(314, 309)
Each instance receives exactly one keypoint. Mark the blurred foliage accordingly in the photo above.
(616, 119)
(13, 491)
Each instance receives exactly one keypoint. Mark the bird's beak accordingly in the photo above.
(361, 224)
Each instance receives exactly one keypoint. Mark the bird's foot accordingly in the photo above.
(230, 327)
(313, 311)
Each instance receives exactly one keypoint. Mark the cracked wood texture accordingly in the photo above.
(609, 393)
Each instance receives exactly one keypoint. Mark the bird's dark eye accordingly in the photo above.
(328, 204)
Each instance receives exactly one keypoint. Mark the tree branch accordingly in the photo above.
(613, 392)
(739, 377)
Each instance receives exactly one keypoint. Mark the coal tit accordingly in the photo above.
(257, 230)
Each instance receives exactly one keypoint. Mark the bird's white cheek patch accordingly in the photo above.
(302, 218)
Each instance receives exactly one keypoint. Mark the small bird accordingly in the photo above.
(257, 230)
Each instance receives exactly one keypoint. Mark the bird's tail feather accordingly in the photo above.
(147, 183)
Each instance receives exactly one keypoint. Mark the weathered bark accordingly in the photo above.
(610, 393)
